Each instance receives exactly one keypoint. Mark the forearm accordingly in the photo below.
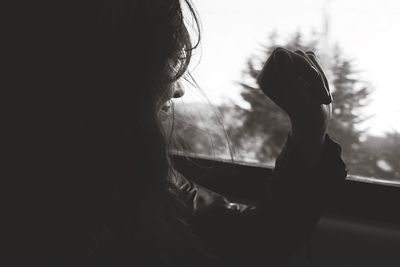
(286, 217)
(299, 191)
(308, 141)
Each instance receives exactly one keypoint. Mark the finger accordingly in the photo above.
(310, 73)
(317, 82)
(287, 75)
(279, 79)
(284, 65)
(266, 76)
(311, 55)
(305, 67)
(297, 71)
(283, 58)
(328, 97)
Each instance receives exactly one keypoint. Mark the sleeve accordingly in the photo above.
(202, 201)
(266, 235)
(297, 196)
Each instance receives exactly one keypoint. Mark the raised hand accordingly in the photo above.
(296, 82)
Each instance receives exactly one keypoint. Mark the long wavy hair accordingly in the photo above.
(122, 56)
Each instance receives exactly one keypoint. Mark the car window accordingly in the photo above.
(355, 41)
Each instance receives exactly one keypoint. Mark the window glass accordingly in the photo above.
(356, 41)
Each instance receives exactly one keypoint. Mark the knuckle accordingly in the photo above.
(279, 49)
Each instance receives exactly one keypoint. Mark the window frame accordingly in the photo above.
(365, 198)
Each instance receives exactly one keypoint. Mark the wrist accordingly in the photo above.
(308, 134)
(309, 141)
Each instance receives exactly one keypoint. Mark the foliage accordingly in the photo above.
(265, 122)
(259, 132)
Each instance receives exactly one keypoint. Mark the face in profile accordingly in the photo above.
(171, 91)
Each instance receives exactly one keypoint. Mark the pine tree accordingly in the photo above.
(350, 97)
(260, 131)
(268, 124)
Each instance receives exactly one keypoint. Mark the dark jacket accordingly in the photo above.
(230, 233)
(267, 234)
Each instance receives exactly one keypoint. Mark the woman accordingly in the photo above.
(124, 205)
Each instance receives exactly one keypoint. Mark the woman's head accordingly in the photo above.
(143, 43)
(125, 57)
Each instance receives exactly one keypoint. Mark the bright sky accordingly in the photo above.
(367, 30)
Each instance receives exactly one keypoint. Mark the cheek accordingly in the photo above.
(165, 94)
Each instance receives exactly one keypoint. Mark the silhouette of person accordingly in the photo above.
(123, 204)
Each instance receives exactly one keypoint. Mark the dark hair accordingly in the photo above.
(121, 55)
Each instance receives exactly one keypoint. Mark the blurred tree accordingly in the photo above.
(350, 96)
(382, 154)
(268, 124)
(197, 129)
(259, 131)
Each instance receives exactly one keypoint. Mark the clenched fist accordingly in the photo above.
(296, 82)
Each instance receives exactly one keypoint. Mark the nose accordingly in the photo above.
(178, 91)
